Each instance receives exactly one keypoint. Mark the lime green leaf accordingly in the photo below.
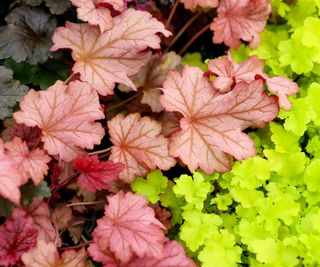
(198, 227)
(194, 190)
(169, 200)
(152, 187)
(221, 251)
(285, 141)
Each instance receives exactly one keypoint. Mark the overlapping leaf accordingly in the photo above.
(10, 177)
(47, 255)
(193, 4)
(96, 174)
(96, 12)
(240, 20)
(151, 77)
(129, 228)
(27, 35)
(31, 164)
(138, 145)
(173, 256)
(40, 214)
(110, 57)
(212, 124)
(229, 73)
(11, 92)
(66, 116)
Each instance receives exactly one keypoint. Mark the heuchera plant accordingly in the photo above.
(81, 158)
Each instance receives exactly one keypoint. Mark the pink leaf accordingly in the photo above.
(40, 215)
(96, 174)
(173, 256)
(192, 4)
(66, 115)
(31, 164)
(228, 72)
(46, 255)
(139, 145)
(96, 12)
(212, 124)
(240, 20)
(17, 236)
(104, 59)
(282, 87)
(10, 177)
(129, 228)
(104, 257)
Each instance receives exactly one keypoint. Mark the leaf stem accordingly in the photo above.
(123, 102)
(173, 10)
(84, 203)
(195, 37)
(67, 180)
(183, 29)
(99, 151)
(69, 78)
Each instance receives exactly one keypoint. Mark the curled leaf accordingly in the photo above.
(96, 12)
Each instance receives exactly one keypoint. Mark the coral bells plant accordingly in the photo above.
(100, 116)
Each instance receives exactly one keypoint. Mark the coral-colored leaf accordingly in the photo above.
(228, 72)
(31, 164)
(192, 4)
(173, 256)
(39, 211)
(17, 236)
(282, 87)
(46, 255)
(66, 115)
(240, 20)
(96, 174)
(10, 177)
(139, 145)
(104, 59)
(212, 124)
(96, 12)
(105, 257)
(129, 228)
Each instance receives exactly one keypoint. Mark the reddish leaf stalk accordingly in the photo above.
(183, 29)
(195, 37)
(173, 10)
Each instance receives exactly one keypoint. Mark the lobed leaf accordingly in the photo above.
(113, 56)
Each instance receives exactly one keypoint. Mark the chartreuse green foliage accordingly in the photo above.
(152, 186)
(264, 212)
